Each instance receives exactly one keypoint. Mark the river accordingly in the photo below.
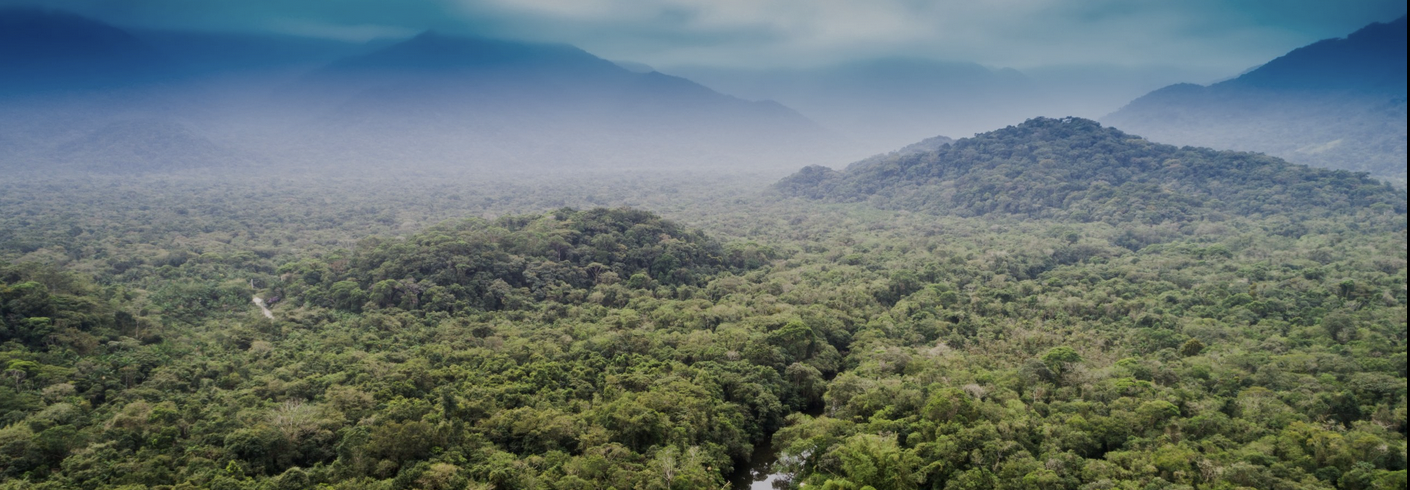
(759, 474)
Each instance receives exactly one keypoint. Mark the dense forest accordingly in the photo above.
(437, 245)
(1075, 169)
(1052, 305)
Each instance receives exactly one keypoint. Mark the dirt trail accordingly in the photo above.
(262, 308)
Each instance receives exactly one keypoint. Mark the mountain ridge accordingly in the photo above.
(1337, 103)
(46, 50)
(431, 101)
(477, 98)
(1073, 168)
(1367, 60)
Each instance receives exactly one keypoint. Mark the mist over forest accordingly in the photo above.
(683, 245)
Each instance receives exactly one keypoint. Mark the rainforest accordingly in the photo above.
(252, 251)
(870, 343)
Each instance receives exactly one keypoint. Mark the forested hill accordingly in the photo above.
(1076, 169)
(610, 348)
(514, 262)
(929, 144)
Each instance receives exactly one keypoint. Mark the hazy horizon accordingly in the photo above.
(703, 244)
(1206, 36)
(1052, 58)
(489, 85)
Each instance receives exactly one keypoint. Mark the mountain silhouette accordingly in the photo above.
(74, 88)
(484, 68)
(143, 145)
(208, 53)
(49, 50)
(1371, 60)
(466, 100)
(1337, 103)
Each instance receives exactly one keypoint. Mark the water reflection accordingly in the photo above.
(760, 475)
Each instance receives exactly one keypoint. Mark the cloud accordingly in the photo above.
(1211, 33)
(350, 33)
(1223, 34)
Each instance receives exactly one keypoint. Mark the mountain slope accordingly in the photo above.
(1371, 60)
(70, 85)
(1338, 103)
(148, 145)
(46, 50)
(1076, 169)
(225, 52)
(929, 144)
(461, 101)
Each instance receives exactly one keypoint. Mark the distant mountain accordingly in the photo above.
(144, 145)
(471, 101)
(432, 52)
(70, 80)
(214, 52)
(1371, 60)
(484, 68)
(117, 146)
(79, 93)
(886, 103)
(1076, 169)
(45, 50)
(633, 66)
(1337, 103)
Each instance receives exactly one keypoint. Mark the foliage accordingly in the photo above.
(871, 347)
(1074, 169)
(514, 262)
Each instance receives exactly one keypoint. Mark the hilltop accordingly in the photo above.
(515, 261)
(1077, 169)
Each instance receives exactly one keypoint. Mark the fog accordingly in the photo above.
(888, 103)
(432, 102)
(128, 90)
(743, 244)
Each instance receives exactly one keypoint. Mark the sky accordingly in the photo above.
(1204, 35)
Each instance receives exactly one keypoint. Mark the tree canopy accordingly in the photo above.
(1075, 169)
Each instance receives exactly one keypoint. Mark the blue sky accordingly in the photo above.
(1206, 35)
